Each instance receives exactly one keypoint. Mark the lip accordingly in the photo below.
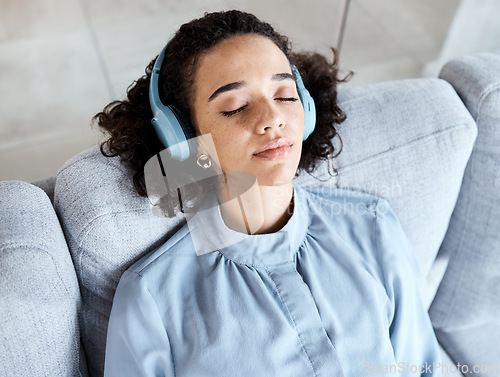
(273, 144)
(275, 149)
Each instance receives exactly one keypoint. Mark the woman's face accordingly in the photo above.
(245, 96)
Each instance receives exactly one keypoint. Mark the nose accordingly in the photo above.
(268, 118)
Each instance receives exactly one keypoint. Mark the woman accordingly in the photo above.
(306, 290)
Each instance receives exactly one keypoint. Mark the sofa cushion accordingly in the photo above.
(466, 310)
(39, 296)
(108, 226)
(407, 141)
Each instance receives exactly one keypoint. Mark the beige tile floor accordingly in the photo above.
(61, 61)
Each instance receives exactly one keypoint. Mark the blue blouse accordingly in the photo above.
(333, 293)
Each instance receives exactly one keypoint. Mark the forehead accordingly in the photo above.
(240, 57)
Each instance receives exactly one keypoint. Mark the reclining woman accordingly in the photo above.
(288, 286)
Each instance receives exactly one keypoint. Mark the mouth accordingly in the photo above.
(274, 150)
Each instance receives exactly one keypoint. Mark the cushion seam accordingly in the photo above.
(82, 158)
(84, 232)
(485, 94)
(449, 130)
(24, 246)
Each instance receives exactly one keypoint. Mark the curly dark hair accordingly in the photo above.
(128, 122)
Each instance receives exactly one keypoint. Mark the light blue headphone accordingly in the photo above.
(173, 129)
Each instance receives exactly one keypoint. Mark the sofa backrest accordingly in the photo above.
(407, 141)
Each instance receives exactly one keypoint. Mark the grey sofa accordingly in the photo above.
(429, 146)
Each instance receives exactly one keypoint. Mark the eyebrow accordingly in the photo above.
(240, 84)
(282, 76)
(227, 88)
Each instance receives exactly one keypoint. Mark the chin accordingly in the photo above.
(276, 174)
(275, 179)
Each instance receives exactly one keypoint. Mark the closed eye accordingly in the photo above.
(240, 109)
(287, 99)
(233, 112)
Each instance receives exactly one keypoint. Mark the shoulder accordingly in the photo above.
(167, 273)
(351, 215)
(371, 227)
(365, 223)
(176, 253)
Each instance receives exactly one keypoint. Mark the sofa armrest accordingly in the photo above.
(39, 293)
(466, 309)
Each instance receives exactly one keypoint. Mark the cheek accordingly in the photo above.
(228, 143)
(299, 115)
(205, 125)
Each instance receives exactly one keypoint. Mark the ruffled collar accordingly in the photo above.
(210, 234)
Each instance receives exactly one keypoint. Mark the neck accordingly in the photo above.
(250, 208)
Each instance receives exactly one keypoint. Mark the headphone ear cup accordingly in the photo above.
(308, 105)
(309, 113)
(173, 131)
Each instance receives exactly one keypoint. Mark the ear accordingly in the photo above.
(205, 145)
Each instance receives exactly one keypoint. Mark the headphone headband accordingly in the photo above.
(154, 94)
